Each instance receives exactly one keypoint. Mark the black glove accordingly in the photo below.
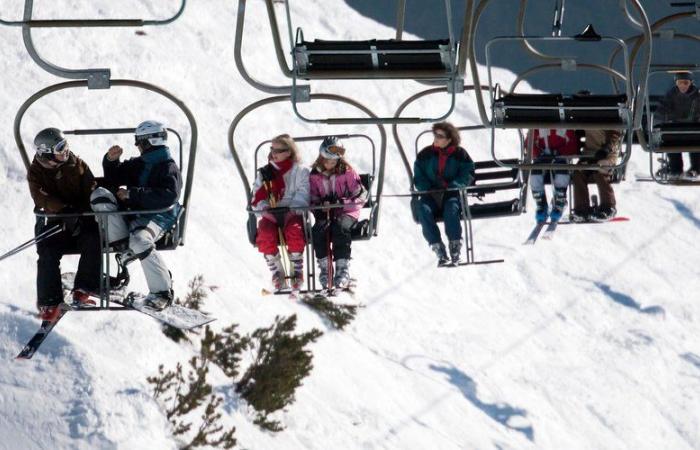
(602, 153)
(267, 172)
(71, 224)
(279, 213)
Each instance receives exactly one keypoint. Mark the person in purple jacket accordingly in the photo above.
(333, 181)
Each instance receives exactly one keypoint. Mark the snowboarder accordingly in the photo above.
(60, 182)
(604, 148)
(148, 182)
(280, 185)
(334, 181)
(443, 167)
(548, 147)
(681, 104)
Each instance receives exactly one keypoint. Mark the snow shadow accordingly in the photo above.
(627, 301)
(500, 412)
(692, 358)
(684, 211)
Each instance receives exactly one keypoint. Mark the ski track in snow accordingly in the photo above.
(589, 340)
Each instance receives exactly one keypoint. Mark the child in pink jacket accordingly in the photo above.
(332, 182)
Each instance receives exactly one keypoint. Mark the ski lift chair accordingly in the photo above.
(489, 179)
(669, 137)
(433, 61)
(365, 228)
(96, 78)
(172, 238)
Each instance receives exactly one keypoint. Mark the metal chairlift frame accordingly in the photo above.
(96, 78)
(251, 224)
(653, 145)
(178, 233)
(466, 215)
(301, 93)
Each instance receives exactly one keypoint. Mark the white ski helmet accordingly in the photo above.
(50, 142)
(152, 132)
(331, 148)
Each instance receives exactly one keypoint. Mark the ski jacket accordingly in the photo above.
(457, 171)
(338, 188)
(68, 185)
(679, 107)
(296, 189)
(553, 142)
(153, 181)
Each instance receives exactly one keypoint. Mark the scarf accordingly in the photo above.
(277, 186)
(443, 154)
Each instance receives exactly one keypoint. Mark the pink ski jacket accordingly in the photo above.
(338, 188)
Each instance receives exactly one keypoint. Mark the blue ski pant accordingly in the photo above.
(451, 215)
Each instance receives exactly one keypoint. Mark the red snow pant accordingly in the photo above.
(268, 235)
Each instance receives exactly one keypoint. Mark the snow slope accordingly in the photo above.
(587, 341)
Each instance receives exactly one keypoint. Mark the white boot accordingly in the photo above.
(341, 280)
(297, 260)
(274, 263)
(323, 272)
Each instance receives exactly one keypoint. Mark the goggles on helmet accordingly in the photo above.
(332, 152)
(50, 152)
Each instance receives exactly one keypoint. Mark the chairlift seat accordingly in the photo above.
(673, 137)
(321, 59)
(560, 111)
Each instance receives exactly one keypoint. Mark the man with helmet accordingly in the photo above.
(681, 104)
(61, 183)
(148, 182)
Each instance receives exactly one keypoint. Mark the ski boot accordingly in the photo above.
(274, 263)
(441, 253)
(323, 273)
(455, 251)
(579, 216)
(297, 261)
(341, 280)
(159, 300)
(604, 214)
(541, 211)
(558, 204)
(49, 312)
(82, 298)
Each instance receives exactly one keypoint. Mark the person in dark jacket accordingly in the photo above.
(681, 104)
(444, 168)
(60, 182)
(148, 182)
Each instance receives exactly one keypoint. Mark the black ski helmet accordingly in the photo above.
(331, 148)
(49, 142)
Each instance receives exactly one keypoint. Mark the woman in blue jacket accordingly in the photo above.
(442, 169)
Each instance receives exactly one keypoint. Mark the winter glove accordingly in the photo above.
(267, 172)
(71, 224)
(602, 153)
(276, 215)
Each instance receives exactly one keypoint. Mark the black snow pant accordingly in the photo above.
(675, 162)
(340, 236)
(48, 277)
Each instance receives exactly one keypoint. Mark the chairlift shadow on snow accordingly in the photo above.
(500, 412)
(626, 300)
(684, 210)
(692, 358)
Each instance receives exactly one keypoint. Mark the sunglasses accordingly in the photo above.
(278, 149)
(439, 136)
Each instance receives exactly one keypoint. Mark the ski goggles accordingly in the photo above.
(332, 152)
(50, 153)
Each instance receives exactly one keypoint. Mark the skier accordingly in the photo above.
(153, 181)
(548, 146)
(60, 182)
(681, 104)
(441, 166)
(334, 181)
(280, 185)
(604, 146)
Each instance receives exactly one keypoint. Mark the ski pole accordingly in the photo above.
(329, 250)
(35, 240)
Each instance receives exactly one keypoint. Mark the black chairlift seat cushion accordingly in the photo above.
(374, 56)
(682, 135)
(495, 209)
(545, 108)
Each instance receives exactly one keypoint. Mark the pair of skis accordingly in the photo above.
(551, 227)
(174, 315)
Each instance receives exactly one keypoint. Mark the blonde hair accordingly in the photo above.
(287, 141)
